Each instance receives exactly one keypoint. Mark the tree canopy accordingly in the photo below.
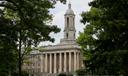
(24, 24)
(8, 47)
(105, 37)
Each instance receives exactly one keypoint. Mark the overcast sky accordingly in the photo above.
(78, 7)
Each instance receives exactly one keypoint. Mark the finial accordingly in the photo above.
(69, 5)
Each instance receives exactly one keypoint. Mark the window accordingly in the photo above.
(67, 35)
(67, 22)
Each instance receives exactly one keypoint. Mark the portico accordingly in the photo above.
(61, 61)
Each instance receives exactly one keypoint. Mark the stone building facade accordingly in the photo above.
(64, 57)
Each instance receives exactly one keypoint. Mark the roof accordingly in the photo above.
(69, 10)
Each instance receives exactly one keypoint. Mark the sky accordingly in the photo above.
(78, 6)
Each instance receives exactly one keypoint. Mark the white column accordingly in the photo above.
(60, 62)
(54, 62)
(46, 66)
(41, 62)
(50, 63)
(69, 61)
(35, 63)
(77, 58)
(65, 62)
(74, 61)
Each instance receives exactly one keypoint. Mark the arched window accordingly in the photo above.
(67, 21)
(67, 35)
(74, 35)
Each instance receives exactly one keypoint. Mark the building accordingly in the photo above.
(64, 57)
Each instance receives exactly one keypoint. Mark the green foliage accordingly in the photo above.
(65, 74)
(105, 37)
(24, 73)
(81, 72)
(24, 24)
(8, 48)
(62, 74)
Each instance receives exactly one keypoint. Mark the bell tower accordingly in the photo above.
(69, 29)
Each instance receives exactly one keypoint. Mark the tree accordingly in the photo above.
(31, 23)
(105, 37)
(8, 47)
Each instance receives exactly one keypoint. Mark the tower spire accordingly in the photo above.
(69, 5)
